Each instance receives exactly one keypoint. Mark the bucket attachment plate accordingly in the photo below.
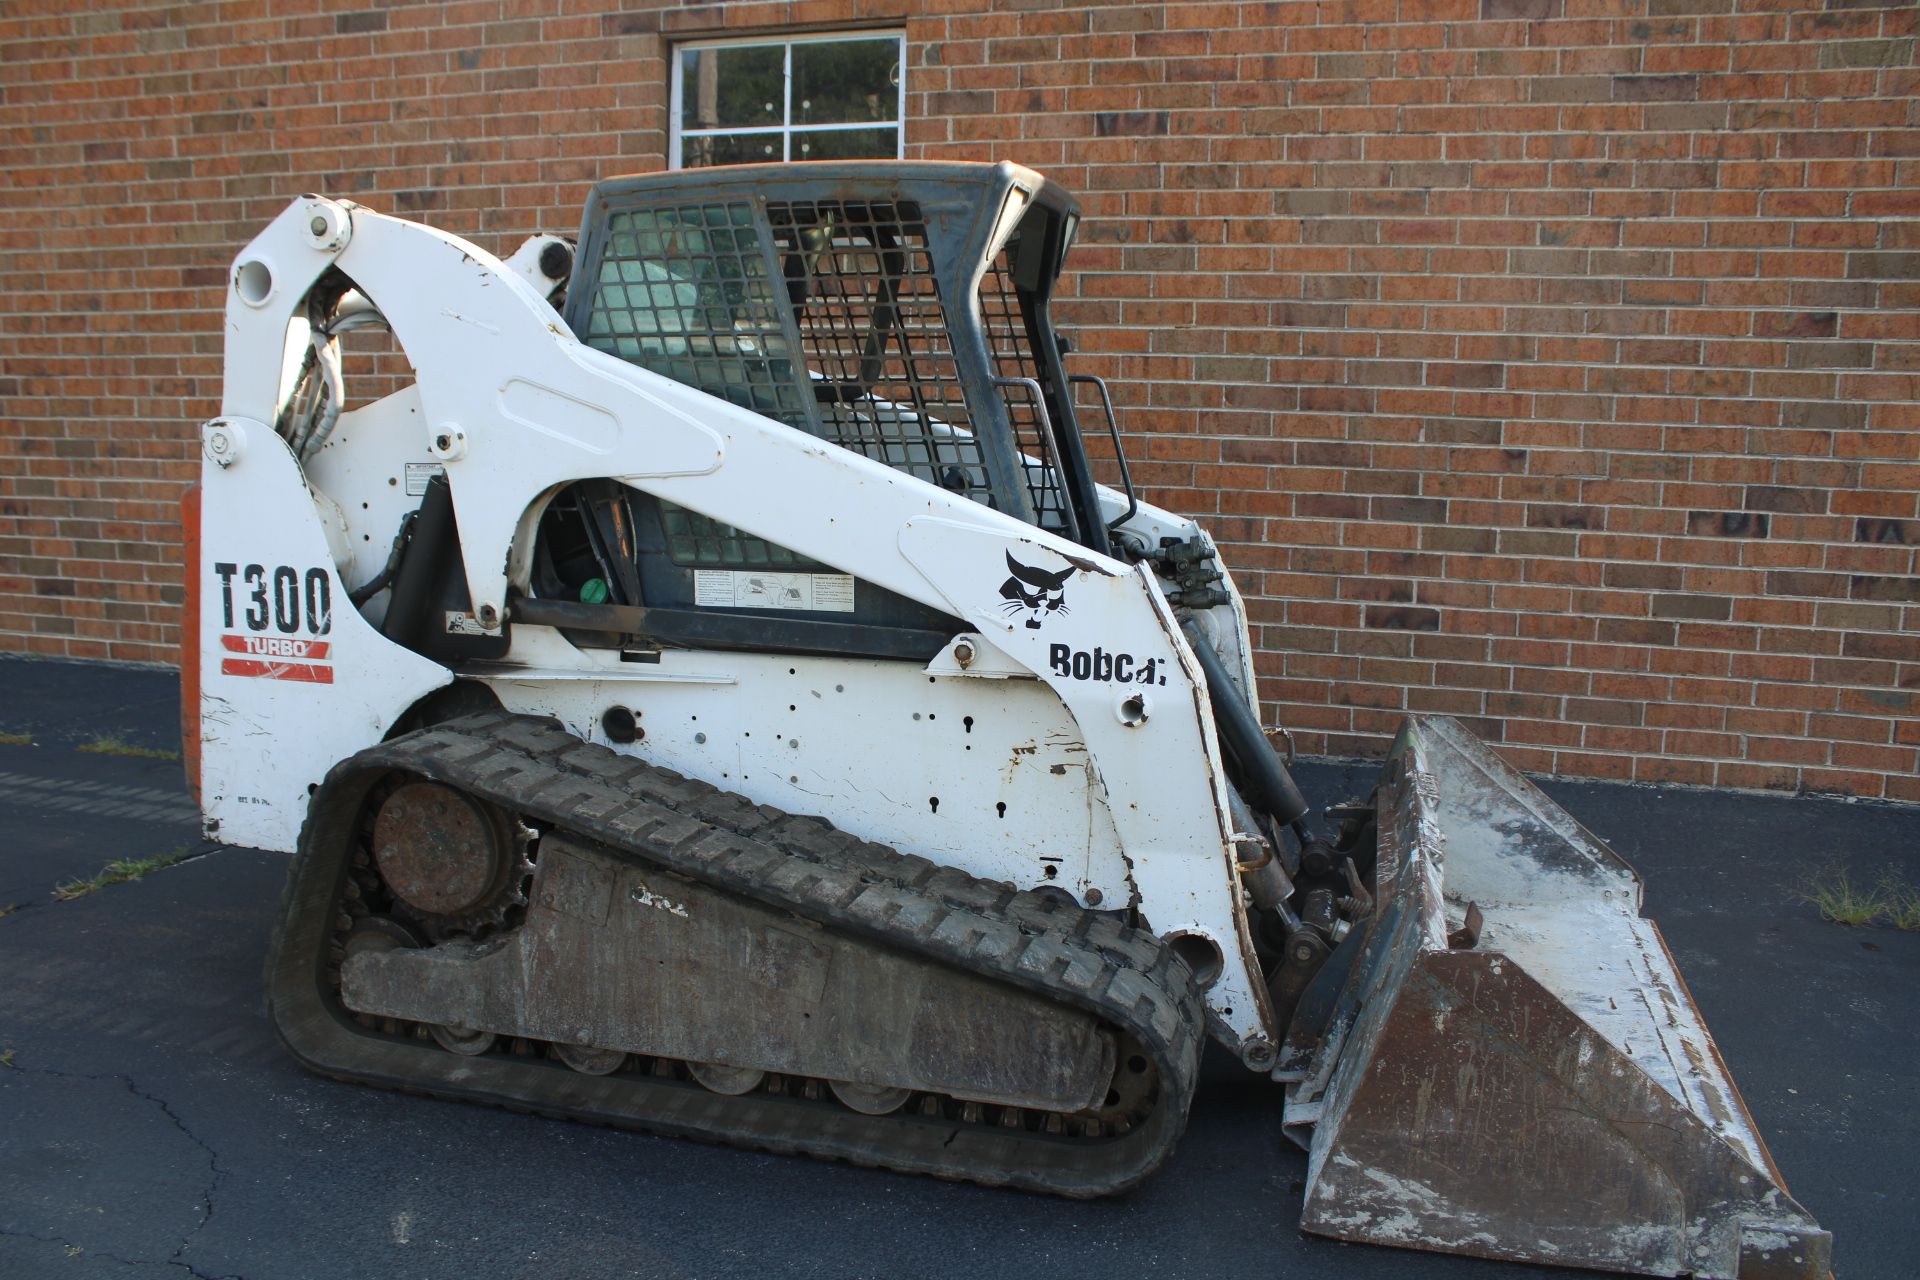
(1515, 1068)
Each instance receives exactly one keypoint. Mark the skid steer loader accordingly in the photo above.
(714, 697)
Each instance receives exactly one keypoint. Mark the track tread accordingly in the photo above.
(803, 865)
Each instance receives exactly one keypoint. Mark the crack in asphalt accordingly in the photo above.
(213, 1166)
(215, 1173)
(80, 1250)
(206, 849)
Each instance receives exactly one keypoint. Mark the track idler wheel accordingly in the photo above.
(380, 933)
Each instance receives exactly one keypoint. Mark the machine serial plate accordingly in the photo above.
(419, 474)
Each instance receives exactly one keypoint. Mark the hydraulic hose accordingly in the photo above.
(418, 578)
(1264, 778)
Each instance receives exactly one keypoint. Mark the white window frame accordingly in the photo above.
(786, 128)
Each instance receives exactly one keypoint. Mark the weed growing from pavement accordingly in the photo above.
(13, 738)
(6, 1059)
(8, 910)
(1903, 902)
(117, 872)
(112, 744)
(1892, 901)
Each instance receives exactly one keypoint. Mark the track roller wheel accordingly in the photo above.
(732, 1081)
(869, 1099)
(467, 1043)
(589, 1061)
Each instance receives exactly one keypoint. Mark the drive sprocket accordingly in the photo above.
(453, 863)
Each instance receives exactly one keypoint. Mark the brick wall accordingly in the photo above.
(1551, 363)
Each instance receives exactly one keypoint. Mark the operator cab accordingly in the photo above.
(896, 309)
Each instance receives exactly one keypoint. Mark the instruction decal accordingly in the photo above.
(271, 617)
(758, 589)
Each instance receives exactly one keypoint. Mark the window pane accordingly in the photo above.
(730, 148)
(847, 144)
(845, 82)
(723, 87)
(697, 541)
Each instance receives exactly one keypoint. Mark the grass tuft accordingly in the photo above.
(1834, 894)
(1903, 902)
(112, 744)
(8, 909)
(1892, 901)
(117, 872)
(6, 1059)
(15, 738)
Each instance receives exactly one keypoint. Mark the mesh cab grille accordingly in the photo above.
(683, 291)
(875, 340)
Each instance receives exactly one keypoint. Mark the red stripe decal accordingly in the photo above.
(306, 673)
(274, 646)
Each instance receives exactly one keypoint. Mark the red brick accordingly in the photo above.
(1603, 399)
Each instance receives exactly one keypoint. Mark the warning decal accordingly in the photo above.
(758, 589)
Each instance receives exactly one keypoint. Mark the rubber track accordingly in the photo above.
(802, 865)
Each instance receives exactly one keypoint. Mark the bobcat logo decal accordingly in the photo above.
(1034, 592)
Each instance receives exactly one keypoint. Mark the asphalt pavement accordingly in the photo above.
(151, 1125)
